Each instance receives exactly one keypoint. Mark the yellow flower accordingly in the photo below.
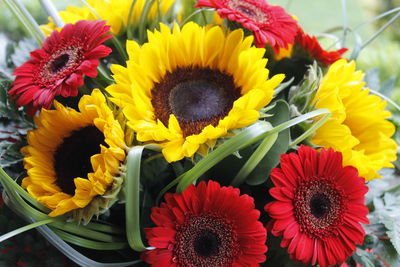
(186, 88)
(358, 127)
(73, 158)
(115, 12)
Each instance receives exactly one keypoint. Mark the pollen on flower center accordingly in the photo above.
(206, 240)
(249, 10)
(318, 207)
(196, 96)
(72, 157)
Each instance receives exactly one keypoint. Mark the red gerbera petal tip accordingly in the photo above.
(269, 24)
(207, 225)
(57, 68)
(309, 44)
(319, 207)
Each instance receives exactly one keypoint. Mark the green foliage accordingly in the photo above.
(13, 128)
(383, 232)
(261, 173)
(30, 248)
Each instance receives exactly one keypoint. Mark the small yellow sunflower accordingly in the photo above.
(358, 127)
(73, 158)
(115, 12)
(186, 88)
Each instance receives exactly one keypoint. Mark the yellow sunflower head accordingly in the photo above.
(115, 12)
(73, 158)
(358, 127)
(187, 87)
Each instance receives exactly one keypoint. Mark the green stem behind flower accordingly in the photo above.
(27, 21)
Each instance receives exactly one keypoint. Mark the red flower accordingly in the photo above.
(207, 225)
(319, 206)
(309, 45)
(57, 68)
(269, 24)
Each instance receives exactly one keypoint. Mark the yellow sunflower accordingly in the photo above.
(186, 88)
(115, 12)
(358, 127)
(73, 158)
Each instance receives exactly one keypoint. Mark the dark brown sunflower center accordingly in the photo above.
(206, 240)
(59, 63)
(319, 206)
(196, 96)
(72, 157)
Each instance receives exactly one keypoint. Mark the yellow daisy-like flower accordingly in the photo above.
(186, 88)
(73, 158)
(358, 127)
(115, 12)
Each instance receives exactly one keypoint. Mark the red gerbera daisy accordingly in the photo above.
(305, 43)
(207, 225)
(319, 206)
(270, 24)
(57, 68)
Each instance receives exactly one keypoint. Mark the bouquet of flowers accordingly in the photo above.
(196, 133)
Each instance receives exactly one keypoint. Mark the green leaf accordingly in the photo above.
(392, 223)
(24, 229)
(364, 258)
(22, 51)
(271, 159)
(132, 192)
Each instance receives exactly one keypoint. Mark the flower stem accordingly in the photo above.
(51, 10)
(26, 20)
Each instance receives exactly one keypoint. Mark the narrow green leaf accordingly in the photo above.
(132, 206)
(228, 147)
(260, 174)
(310, 131)
(75, 255)
(129, 24)
(79, 241)
(24, 229)
(26, 20)
(248, 136)
(5, 179)
(83, 231)
(255, 159)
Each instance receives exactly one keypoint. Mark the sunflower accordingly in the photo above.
(207, 225)
(358, 127)
(204, 83)
(73, 158)
(319, 206)
(269, 24)
(114, 12)
(58, 67)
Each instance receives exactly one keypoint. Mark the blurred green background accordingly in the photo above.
(316, 17)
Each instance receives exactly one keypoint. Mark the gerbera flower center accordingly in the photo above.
(206, 240)
(196, 96)
(72, 157)
(250, 10)
(59, 62)
(318, 207)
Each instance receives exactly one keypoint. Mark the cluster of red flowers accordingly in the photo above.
(318, 210)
